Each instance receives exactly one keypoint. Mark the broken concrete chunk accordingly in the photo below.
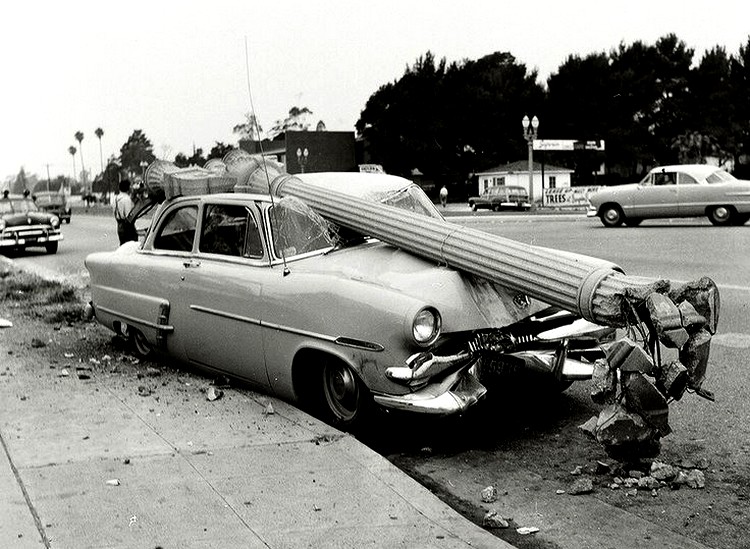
(642, 397)
(583, 485)
(663, 471)
(627, 356)
(616, 426)
(113, 482)
(214, 393)
(489, 494)
(694, 356)
(526, 530)
(648, 483)
(37, 343)
(703, 295)
(695, 479)
(672, 379)
(589, 427)
(603, 382)
(492, 519)
(691, 320)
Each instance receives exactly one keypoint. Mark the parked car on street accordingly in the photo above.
(689, 190)
(22, 225)
(265, 290)
(53, 202)
(501, 197)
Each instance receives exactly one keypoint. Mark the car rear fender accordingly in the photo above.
(147, 314)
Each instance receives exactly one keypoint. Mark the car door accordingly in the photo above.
(656, 196)
(222, 288)
(692, 195)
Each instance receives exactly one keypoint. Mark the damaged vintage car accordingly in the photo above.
(264, 289)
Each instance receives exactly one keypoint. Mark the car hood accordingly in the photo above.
(457, 295)
(29, 218)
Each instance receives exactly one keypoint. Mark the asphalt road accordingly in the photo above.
(526, 442)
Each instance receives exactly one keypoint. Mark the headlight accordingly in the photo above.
(55, 221)
(425, 328)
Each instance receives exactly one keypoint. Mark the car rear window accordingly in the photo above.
(177, 232)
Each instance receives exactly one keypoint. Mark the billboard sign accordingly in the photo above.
(568, 145)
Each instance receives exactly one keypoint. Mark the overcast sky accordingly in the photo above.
(177, 70)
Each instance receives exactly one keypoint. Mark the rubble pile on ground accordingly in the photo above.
(643, 476)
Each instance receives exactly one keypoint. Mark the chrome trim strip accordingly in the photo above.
(162, 327)
(336, 340)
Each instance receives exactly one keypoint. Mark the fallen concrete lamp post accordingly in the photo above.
(679, 317)
(635, 416)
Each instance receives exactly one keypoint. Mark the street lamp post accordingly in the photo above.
(302, 156)
(529, 132)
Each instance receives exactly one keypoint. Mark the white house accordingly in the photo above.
(545, 176)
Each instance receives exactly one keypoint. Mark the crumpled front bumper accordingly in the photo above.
(455, 393)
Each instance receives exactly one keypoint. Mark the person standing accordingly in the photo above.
(444, 196)
(123, 206)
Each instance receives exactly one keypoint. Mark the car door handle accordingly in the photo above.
(191, 263)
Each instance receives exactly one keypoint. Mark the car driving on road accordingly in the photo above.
(22, 225)
(688, 190)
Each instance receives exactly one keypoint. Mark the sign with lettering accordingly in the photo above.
(371, 168)
(568, 197)
(567, 145)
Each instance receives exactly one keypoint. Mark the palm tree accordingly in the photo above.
(99, 132)
(72, 150)
(79, 138)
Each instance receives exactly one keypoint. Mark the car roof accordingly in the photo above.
(699, 171)
(356, 184)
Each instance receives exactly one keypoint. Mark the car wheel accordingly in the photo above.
(473, 207)
(51, 247)
(721, 215)
(140, 344)
(495, 208)
(612, 215)
(344, 396)
(632, 221)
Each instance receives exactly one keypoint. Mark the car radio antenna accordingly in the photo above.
(254, 126)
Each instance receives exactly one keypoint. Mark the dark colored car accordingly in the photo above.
(22, 225)
(501, 197)
(54, 203)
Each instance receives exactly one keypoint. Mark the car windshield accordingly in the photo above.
(411, 198)
(17, 205)
(297, 229)
(720, 176)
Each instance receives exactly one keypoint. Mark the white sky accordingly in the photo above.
(176, 70)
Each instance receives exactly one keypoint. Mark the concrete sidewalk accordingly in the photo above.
(115, 455)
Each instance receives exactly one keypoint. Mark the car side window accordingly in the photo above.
(230, 230)
(665, 178)
(177, 232)
(687, 179)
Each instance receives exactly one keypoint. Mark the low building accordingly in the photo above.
(308, 151)
(544, 176)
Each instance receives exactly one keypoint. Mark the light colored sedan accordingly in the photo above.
(689, 190)
(261, 289)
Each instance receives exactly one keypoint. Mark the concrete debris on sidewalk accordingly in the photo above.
(492, 519)
(213, 393)
(526, 530)
(489, 494)
(4, 323)
(583, 485)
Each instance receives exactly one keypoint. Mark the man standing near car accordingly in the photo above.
(444, 196)
(123, 206)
